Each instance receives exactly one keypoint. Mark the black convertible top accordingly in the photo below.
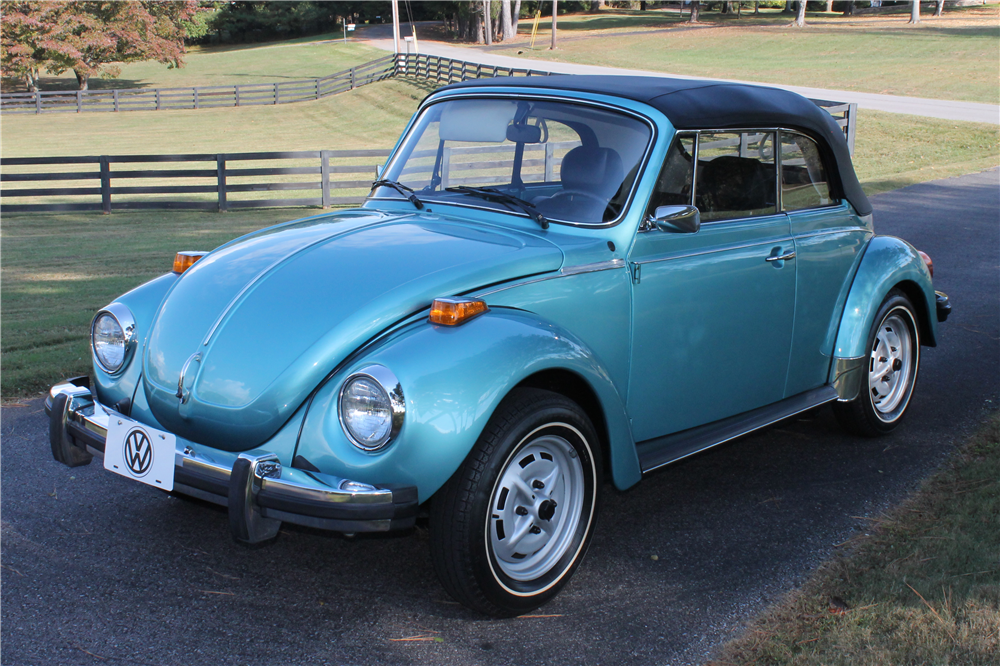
(698, 104)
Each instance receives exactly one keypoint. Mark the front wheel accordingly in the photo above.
(513, 523)
(893, 361)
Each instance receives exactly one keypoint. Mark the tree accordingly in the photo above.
(849, 8)
(939, 8)
(800, 17)
(93, 37)
(508, 19)
(914, 12)
(695, 10)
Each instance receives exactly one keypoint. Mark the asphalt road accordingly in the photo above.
(100, 570)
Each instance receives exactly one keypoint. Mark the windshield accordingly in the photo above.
(569, 162)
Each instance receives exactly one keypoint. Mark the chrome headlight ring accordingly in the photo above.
(385, 381)
(126, 322)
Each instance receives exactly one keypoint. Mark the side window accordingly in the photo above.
(803, 178)
(736, 175)
(673, 187)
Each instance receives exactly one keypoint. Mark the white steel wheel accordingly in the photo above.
(513, 523)
(893, 363)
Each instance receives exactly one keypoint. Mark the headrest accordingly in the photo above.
(595, 170)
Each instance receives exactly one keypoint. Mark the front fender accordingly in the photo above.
(888, 262)
(452, 380)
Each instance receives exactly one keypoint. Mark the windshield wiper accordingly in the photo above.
(402, 189)
(493, 194)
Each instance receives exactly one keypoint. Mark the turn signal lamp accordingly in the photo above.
(927, 260)
(185, 260)
(455, 311)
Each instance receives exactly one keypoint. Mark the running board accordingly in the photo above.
(655, 453)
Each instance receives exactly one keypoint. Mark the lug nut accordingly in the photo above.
(896, 364)
(535, 529)
(521, 511)
(537, 484)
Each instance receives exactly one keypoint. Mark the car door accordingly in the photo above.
(712, 310)
(828, 241)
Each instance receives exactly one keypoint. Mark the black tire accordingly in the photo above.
(469, 540)
(872, 414)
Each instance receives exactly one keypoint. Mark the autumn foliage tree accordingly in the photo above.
(90, 38)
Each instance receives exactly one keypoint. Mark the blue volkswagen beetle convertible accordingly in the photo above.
(555, 281)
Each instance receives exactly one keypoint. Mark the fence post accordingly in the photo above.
(157, 99)
(352, 78)
(445, 168)
(105, 185)
(197, 101)
(852, 117)
(317, 89)
(79, 101)
(116, 98)
(324, 169)
(220, 174)
(237, 95)
(38, 101)
(275, 93)
(550, 167)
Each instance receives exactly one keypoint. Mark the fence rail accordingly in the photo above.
(212, 176)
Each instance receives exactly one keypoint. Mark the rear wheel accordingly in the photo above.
(513, 523)
(893, 362)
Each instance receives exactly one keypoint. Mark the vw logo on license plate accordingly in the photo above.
(138, 452)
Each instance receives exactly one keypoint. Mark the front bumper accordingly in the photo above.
(943, 305)
(259, 491)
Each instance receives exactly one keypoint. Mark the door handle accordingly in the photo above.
(781, 257)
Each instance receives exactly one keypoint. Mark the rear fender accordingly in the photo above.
(888, 263)
(452, 380)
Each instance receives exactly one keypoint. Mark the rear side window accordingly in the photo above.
(804, 181)
(736, 175)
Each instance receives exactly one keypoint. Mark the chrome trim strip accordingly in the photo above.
(723, 248)
(608, 265)
(653, 137)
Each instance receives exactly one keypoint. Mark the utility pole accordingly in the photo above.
(395, 26)
(554, 13)
(487, 21)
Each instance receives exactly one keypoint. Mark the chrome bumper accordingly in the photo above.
(259, 491)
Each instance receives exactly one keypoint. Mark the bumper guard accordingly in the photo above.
(258, 490)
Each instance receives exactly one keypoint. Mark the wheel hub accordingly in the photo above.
(891, 364)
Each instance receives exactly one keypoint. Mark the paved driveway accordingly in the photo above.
(100, 570)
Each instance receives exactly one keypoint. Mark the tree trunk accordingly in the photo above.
(595, 5)
(555, 13)
(915, 12)
(829, 5)
(516, 16)
(939, 8)
(800, 18)
(506, 22)
(81, 79)
(849, 8)
(756, 8)
(695, 10)
(788, 7)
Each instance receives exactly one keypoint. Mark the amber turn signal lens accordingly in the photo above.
(455, 311)
(927, 260)
(185, 260)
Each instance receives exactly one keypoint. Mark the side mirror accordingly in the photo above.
(677, 219)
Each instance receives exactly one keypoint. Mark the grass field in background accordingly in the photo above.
(304, 58)
(950, 57)
(924, 588)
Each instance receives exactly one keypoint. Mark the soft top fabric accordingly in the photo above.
(698, 104)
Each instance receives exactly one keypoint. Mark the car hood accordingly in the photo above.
(257, 324)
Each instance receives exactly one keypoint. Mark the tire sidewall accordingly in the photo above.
(500, 589)
(895, 303)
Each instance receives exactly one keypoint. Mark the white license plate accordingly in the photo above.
(139, 452)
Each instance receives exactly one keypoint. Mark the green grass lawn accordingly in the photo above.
(924, 588)
(951, 57)
(230, 65)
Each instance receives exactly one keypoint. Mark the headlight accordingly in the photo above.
(371, 407)
(112, 336)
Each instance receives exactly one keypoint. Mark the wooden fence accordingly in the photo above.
(113, 182)
(205, 97)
